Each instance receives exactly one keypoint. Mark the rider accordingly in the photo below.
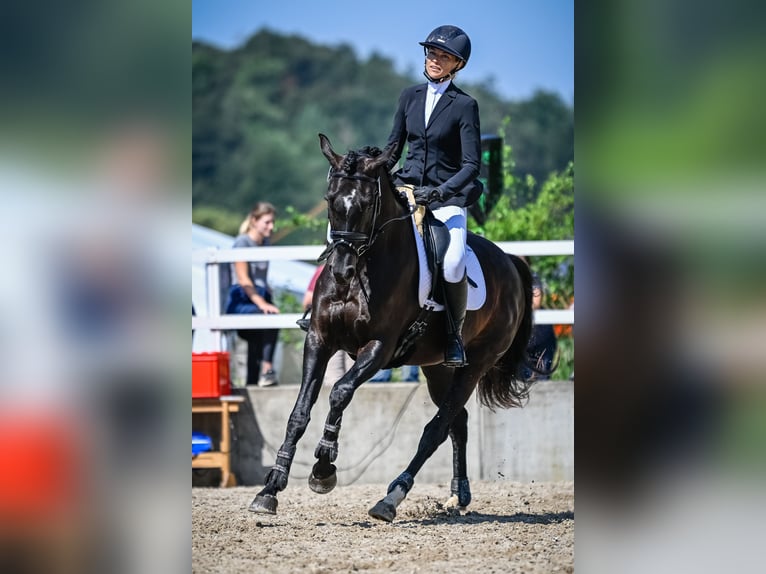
(440, 124)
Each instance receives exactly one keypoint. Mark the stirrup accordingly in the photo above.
(454, 353)
(455, 363)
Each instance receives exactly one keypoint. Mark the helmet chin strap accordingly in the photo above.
(439, 80)
(449, 76)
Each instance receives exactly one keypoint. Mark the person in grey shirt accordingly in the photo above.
(250, 293)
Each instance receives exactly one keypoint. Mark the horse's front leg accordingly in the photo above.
(315, 359)
(323, 475)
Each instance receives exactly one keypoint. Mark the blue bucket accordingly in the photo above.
(201, 443)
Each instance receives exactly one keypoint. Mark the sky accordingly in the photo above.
(522, 45)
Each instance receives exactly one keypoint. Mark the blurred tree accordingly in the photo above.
(542, 136)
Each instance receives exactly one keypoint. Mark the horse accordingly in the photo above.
(366, 298)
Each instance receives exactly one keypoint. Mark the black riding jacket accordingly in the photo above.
(446, 153)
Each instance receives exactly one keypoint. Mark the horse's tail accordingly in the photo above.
(505, 384)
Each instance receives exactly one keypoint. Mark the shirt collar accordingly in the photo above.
(440, 88)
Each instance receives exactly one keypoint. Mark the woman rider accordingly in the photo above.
(440, 125)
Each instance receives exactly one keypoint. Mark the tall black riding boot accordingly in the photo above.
(455, 295)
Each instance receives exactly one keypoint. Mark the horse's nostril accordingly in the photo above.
(343, 269)
(344, 276)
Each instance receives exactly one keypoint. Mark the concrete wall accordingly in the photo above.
(383, 424)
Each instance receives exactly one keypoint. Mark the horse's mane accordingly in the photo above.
(371, 151)
(352, 157)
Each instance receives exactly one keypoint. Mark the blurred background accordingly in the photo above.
(95, 167)
(670, 400)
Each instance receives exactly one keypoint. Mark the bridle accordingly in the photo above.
(358, 241)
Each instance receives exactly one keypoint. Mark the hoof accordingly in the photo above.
(452, 502)
(453, 505)
(264, 504)
(323, 485)
(461, 491)
(383, 511)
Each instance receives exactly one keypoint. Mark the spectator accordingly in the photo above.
(250, 293)
(410, 374)
(542, 344)
(340, 363)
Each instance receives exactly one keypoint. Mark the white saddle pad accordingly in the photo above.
(476, 295)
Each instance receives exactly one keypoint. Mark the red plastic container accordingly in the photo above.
(210, 375)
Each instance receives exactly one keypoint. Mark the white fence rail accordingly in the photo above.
(212, 258)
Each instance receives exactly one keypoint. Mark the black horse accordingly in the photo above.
(366, 298)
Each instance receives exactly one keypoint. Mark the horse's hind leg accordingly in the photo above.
(459, 488)
(434, 434)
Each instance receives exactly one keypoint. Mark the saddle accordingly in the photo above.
(435, 240)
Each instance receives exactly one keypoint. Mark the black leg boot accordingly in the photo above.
(253, 364)
(455, 295)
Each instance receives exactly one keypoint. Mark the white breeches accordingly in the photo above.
(454, 218)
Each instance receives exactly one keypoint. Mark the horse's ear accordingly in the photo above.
(328, 152)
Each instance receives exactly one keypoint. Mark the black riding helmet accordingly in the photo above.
(452, 40)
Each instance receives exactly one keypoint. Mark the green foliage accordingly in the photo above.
(293, 219)
(549, 216)
(218, 218)
(565, 370)
(289, 303)
(303, 229)
(526, 212)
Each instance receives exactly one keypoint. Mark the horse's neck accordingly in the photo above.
(396, 243)
(392, 211)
